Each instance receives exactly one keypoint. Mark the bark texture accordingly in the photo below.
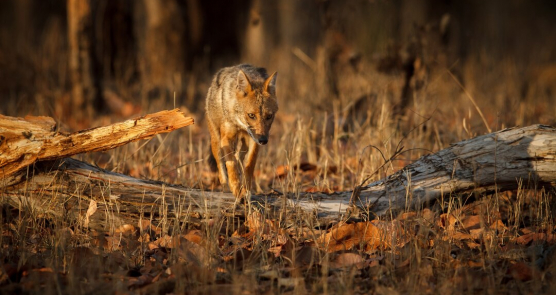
(66, 188)
(503, 160)
(25, 141)
(497, 161)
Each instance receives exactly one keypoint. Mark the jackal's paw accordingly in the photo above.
(242, 193)
(211, 181)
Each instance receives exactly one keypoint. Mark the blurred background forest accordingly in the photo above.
(78, 59)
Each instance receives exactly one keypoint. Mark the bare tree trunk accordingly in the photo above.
(159, 27)
(263, 34)
(23, 23)
(84, 80)
(255, 49)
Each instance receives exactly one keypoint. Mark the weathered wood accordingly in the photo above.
(64, 188)
(25, 141)
(498, 161)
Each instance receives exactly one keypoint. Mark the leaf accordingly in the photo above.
(463, 226)
(347, 236)
(520, 271)
(163, 242)
(346, 260)
(291, 282)
(7, 272)
(239, 258)
(145, 226)
(160, 255)
(365, 235)
(191, 252)
(530, 237)
(297, 255)
(255, 222)
(267, 229)
(125, 229)
(270, 274)
(276, 250)
(113, 244)
(38, 277)
(282, 171)
(90, 211)
(64, 235)
(194, 236)
(138, 282)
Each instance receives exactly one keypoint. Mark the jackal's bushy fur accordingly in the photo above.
(241, 104)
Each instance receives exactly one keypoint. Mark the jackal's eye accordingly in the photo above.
(252, 116)
(268, 117)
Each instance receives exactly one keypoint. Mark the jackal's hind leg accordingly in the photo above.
(217, 154)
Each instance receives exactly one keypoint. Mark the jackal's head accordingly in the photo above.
(257, 105)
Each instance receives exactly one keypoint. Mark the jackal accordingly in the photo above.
(241, 104)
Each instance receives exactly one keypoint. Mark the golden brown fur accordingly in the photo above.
(241, 104)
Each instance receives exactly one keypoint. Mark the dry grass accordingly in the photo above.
(500, 243)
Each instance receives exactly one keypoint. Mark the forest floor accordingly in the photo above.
(500, 243)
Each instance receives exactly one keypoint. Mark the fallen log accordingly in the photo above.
(496, 161)
(66, 188)
(493, 162)
(26, 141)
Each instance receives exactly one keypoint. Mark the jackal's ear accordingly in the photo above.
(270, 84)
(243, 83)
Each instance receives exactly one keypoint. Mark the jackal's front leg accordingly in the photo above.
(249, 164)
(228, 144)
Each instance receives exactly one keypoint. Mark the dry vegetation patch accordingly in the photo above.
(502, 242)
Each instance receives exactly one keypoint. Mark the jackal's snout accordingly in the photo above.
(262, 140)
